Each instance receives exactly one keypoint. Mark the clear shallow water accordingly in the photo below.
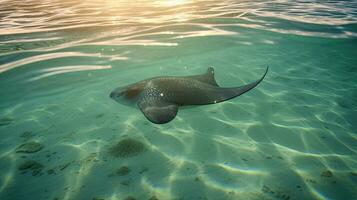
(292, 137)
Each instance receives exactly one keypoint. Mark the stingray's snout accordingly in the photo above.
(117, 93)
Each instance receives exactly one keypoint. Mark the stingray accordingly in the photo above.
(159, 98)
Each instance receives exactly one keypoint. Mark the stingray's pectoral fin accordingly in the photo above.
(158, 112)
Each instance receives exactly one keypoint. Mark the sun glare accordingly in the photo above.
(173, 2)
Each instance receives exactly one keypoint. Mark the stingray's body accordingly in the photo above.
(159, 98)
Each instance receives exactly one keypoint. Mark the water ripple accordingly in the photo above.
(60, 70)
(59, 15)
(42, 57)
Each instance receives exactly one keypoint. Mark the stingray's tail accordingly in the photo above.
(246, 88)
(230, 93)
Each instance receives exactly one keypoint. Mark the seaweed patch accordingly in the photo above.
(29, 147)
(127, 148)
(31, 165)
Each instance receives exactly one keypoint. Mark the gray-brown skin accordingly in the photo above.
(160, 97)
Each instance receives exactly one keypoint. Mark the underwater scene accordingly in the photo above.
(84, 116)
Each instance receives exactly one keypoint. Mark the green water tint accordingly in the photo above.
(292, 137)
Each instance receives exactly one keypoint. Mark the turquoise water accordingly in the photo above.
(291, 137)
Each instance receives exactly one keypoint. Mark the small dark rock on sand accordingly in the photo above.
(311, 180)
(122, 171)
(64, 166)
(27, 135)
(5, 121)
(277, 193)
(99, 115)
(127, 148)
(29, 147)
(327, 174)
(125, 183)
(50, 171)
(153, 198)
(143, 170)
(32, 165)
